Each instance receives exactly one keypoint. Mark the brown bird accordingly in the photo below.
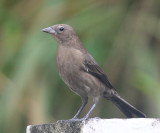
(82, 74)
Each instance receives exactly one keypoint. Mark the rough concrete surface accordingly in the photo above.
(95, 125)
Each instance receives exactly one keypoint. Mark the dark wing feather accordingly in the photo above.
(90, 66)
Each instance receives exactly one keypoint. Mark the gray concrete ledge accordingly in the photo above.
(95, 125)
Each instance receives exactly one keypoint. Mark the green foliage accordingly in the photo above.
(123, 36)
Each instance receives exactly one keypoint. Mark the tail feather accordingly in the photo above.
(127, 109)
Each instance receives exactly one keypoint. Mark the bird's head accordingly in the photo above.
(61, 32)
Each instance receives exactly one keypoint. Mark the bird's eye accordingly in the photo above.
(61, 28)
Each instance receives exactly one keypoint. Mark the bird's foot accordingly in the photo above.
(69, 120)
(86, 118)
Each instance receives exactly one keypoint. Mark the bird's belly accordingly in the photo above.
(71, 77)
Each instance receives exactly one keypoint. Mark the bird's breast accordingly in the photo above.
(68, 62)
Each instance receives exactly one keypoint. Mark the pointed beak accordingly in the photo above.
(49, 30)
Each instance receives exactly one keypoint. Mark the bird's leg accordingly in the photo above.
(95, 101)
(84, 102)
(93, 106)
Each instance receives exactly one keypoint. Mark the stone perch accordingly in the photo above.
(96, 125)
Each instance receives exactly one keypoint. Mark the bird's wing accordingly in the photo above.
(90, 66)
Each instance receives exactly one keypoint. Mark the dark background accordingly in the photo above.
(122, 35)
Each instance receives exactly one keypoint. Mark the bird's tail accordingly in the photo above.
(127, 109)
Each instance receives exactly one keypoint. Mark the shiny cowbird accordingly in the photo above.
(82, 74)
